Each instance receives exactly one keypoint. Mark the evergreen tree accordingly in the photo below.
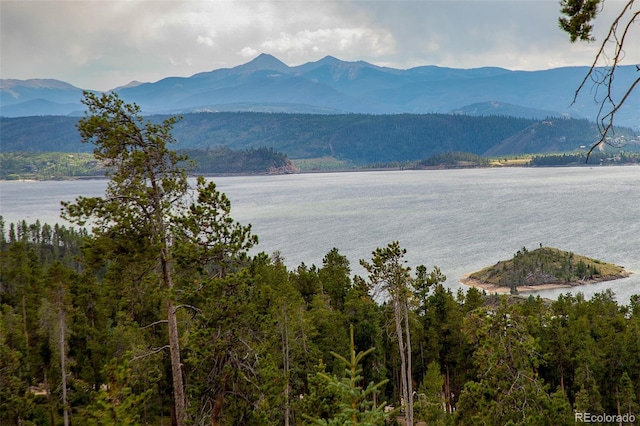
(354, 403)
(431, 405)
(391, 278)
(508, 389)
(144, 213)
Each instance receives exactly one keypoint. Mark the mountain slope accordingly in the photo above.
(484, 109)
(353, 138)
(14, 91)
(35, 107)
(334, 86)
(547, 136)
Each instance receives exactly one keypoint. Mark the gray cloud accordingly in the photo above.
(103, 44)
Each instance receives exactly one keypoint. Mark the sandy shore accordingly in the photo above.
(493, 288)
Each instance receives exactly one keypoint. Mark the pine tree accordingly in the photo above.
(389, 275)
(145, 212)
(354, 403)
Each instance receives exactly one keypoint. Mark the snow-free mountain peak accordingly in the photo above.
(50, 91)
(35, 83)
(334, 64)
(262, 62)
(334, 86)
(133, 83)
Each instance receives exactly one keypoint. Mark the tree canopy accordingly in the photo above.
(257, 343)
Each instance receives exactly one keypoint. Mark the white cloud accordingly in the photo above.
(208, 41)
(332, 39)
(103, 44)
(247, 52)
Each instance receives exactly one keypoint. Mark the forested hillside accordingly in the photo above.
(356, 139)
(62, 165)
(256, 339)
(253, 160)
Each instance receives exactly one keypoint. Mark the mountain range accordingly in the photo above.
(332, 86)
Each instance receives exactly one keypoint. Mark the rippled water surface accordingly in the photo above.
(459, 220)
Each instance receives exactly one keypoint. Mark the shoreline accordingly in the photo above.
(495, 288)
(319, 171)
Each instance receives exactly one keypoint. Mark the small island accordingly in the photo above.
(542, 269)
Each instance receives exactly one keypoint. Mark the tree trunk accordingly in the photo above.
(176, 364)
(409, 373)
(63, 364)
(285, 353)
(397, 313)
(174, 345)
(447, 391)
(618, 404)
(216, 414)
(49, 400)
(26, 331)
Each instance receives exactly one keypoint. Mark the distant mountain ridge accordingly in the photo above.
(332, 86)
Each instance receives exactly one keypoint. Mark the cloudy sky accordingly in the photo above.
(103, 44)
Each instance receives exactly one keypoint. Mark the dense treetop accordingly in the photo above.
(257, 343)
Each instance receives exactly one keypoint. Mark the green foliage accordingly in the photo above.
(388, 272)
(554, 136)
(145, 215)
(455, 159)
(354, 404)
(391, 279)
(48, 165)
(579, 15)
(15, 401)
(508, 389)
(617, 157)
(252, 330)
(326, 141)
(546, 265)
(65, 165)
(252, 338)
(334, 276)
(431, 402)
(424, 282)
(117, 402)
(252, 160)
(560, 412)
(626, 395)
(206, 234)
(321, 164)
(321, 401)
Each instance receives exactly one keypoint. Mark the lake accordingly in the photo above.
(458, 220)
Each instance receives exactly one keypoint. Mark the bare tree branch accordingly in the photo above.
(193, 308)
(614, 42)
(154, 323)
(151, 352)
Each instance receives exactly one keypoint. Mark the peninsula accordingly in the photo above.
(541, 269)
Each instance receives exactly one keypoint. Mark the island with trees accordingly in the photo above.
(542, 269)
